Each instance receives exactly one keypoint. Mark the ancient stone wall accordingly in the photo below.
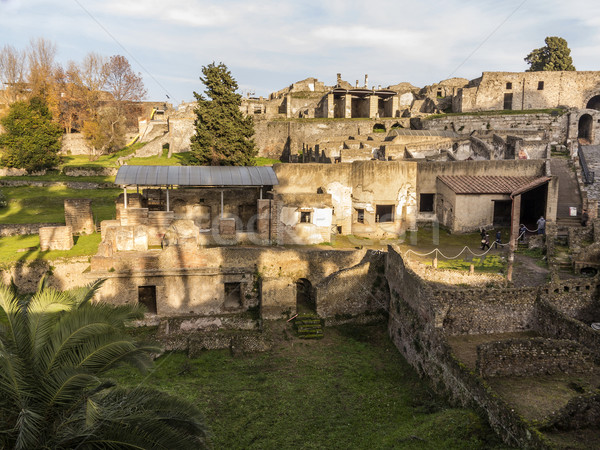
(420, 340)
(550, 322)
(75, 144)
(552, 127)
(24, 228)
(354, 290)
(55, 238)
(529, 90)
(532, 357)
(79, 216)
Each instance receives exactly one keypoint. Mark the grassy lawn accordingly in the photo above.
(46, 204)
(27, 248)
(350, 390)
(57, 176)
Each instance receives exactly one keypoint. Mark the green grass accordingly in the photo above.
(15, 249)
(504, 112)
(350, 390)
(102, 161)
(488, 263)
(46, 204)
(57, 176)
(260, 161)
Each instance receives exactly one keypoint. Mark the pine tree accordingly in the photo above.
(555, 56)
(31, 140)
(223, 135)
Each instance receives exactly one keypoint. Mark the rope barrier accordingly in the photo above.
(465, 248)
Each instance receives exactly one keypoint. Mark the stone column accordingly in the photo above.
(263, 218)
(330, 106)
(395, 108)
(347, 106)
(514, 234)
(373, 106)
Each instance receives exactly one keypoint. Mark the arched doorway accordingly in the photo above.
(585, 128)
(379, 128)
(594, 103)
(305, 302)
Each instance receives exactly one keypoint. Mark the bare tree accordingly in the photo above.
(12, 73)
(122, 82)
(41, 55)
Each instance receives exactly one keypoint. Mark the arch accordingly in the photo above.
(396, 125)
(305, 300)
(593, 103)
(585, 127)
(379, 128)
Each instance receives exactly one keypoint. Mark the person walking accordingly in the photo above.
(541, 223)
(498, 240)
(584, 218)
(522, 232)
(485, 242)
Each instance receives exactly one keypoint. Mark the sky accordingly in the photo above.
(269, 44)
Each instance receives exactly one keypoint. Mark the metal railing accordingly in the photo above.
(588, 176)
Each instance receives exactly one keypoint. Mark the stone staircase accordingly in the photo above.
(568, 192)
(308, 326)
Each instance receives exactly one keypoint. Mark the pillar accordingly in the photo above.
(347, 106)
(288, 105)
(373, 106)
(330, 106)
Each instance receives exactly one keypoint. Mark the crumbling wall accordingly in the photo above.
(532, 357)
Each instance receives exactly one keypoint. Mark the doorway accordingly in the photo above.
(585, 128)
(502, 213)
(147, 297)
(305, 301)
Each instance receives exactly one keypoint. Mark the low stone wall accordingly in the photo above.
(551, 322)
(531, 357)
(581, 412)
(63, 274)
(482, 311)
(90, 171)
(12, 172)
(56, 238)
(20, 229)
(577, 298)
(69, 184)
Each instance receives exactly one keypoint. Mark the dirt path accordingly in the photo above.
(527, 273)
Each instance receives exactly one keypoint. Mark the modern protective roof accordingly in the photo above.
(196, 176)
(466, 184)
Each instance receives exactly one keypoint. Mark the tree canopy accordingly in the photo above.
(223, 135)
(31, 140)
(55, 351)
(554, 56)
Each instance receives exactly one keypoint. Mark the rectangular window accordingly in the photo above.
(540, 85)
(509, 85)
(305, 216)
(233, 295)
(147, 297)
(426, 202)
(508, 101)
(384, 213)
(360, 215)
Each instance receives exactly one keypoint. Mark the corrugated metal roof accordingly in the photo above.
(408, 132)
(196, 176)
(465, 184)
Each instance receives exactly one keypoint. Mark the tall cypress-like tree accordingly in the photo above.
(31, 140)
(223, 135)
(555, 56)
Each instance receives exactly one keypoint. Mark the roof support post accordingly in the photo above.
(125, 196)
(221, 203)
(168, 198)
(260, 192)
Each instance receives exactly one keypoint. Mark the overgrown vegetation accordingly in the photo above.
(351, 389)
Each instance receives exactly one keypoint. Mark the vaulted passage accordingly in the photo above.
(594, 103)
(585, 127)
